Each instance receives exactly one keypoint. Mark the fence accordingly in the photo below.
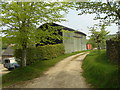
(113, 51)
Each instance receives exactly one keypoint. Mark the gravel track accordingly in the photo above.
(65, 74)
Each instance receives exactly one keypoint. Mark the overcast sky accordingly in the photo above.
(81, 22)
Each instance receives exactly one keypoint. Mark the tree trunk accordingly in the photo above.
(98, 48)
(24, 53)
(23, 57)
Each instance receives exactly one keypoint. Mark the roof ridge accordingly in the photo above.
(67, 28)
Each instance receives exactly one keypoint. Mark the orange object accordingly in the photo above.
(89, 46)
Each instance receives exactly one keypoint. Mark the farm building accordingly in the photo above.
(8, 53)
(73, 40)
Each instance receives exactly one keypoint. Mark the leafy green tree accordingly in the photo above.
(5, 44)
(111, 9)
(99, 37)
(0, 44)
(107, 11)
(22, 18)
(53, 34)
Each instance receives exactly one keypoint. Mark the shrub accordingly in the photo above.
(113, 45)
(41, 53)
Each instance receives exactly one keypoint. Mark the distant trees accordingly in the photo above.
(98, 37)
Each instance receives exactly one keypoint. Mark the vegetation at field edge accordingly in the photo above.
(99, 71)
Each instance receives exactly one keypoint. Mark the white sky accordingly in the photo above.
(81, 22)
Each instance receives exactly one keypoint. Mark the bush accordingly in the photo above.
(41, 53)
(113, 45)
(100, 72)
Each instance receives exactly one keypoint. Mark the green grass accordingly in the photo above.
(32, 71)
(99, 71)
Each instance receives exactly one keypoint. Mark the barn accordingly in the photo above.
(73, 40)
(8, 53)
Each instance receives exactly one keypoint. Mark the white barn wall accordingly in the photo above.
(74, 41)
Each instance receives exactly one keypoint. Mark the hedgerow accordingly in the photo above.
(41, 53)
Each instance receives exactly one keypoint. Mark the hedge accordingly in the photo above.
(113, 50)
(41, 52)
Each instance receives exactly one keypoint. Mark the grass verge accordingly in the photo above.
(100, 72)
(31, 71)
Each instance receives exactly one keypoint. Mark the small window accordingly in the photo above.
(7, 61)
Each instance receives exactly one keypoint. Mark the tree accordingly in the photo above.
(22, 18)
(53, 31)
(110, 9)
(99, 37)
